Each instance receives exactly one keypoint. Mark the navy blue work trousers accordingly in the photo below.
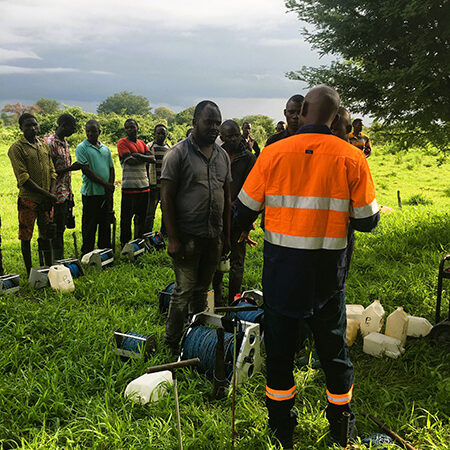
(328, 327)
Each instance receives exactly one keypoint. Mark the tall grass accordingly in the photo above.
(62, 387)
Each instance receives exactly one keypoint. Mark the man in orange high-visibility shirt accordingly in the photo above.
(312, 185)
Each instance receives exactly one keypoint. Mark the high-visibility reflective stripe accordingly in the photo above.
(293, 201)
(280, 395)
(305, 242)
(362, 212)
(250, 202)
(340, 399)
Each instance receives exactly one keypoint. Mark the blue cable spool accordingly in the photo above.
(104, 256)
(136, 247)
(133, 345)
(201, 342)
(256, 316)
(74, 270)
(8, 284)
(378, 439)
(164, 298)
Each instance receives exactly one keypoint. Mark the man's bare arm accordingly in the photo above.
(99, 180)
(32, 186)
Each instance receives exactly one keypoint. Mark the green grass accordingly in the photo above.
(62, 387)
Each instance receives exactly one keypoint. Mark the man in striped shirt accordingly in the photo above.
(158, 149)
(360, 140)
(134, 157)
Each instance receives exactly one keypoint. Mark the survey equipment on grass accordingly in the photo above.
(229, 349)
(254, 315)
(73, 265)
(249, 358)
(132, 345)
(154, 240)
(164, 298)
(254, 294)
(38, 277)
(173, 368)
(441, 330)
(200, 340)
(100, 258)
(9, 283)
(133, 249)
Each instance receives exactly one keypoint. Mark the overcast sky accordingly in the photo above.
(174, 52)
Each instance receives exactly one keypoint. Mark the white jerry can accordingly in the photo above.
(377, 344)
(397, 325)
(60, 278)
(149, 387)
(372, 318)
(354, 311)
(418, 326)
(352, 331)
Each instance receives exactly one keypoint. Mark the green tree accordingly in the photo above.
(164, 113)
(125, 103)
(6, 119)
(48, 106)
(259, 120)
(393, 60)
(185, 117)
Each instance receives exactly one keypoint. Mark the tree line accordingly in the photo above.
(111, 114)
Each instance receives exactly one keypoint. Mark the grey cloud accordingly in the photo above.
(11, 55)
(173, 58)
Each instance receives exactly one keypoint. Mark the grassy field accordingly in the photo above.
(62, 387)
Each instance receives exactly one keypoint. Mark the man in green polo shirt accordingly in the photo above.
(35, 174)
(97, 189)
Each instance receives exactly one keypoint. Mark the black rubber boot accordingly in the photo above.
(283, 428)
(336, 419)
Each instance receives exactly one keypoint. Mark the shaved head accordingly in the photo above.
(320, 106)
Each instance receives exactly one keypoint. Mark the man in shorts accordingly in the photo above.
(36, 175)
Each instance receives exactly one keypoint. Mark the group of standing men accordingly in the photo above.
(313, 184)
(43, 172)
(310, 182)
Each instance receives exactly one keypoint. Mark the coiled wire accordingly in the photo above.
(201, 342)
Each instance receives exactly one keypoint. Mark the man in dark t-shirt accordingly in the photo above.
(251, 143)
(242, 161)
(292, 114)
